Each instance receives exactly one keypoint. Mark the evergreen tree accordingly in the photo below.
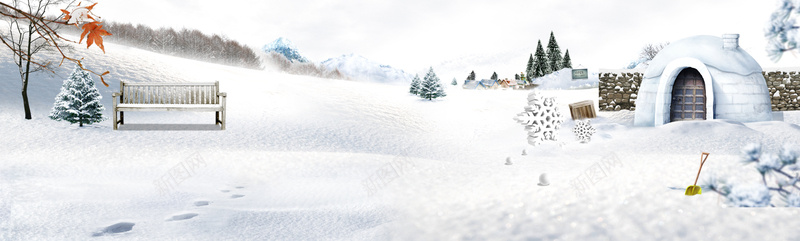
(516, 76)
(494, 76)
(567, 61)
(416, 85)
(79, 100)
(471, 76)
(529, 69)
(553, 54)
(455, 82)
(431, 87)
(540, 65)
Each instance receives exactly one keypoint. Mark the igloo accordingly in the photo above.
(700, 78)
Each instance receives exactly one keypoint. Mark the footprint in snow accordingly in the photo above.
(225, 190)
(184, 216)
(200, 203)
(114, 229)
(239, 187)
(237, 195)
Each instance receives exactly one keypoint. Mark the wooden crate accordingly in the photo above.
(583, 109)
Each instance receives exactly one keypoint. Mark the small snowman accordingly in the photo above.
(508, 161)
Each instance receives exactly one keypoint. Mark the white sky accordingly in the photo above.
(414, 34)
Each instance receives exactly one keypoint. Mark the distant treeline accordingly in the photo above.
(185, 43)
(279, 61)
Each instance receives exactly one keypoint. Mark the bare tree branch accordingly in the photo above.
(47, 33)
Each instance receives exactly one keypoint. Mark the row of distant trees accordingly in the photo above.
(540, 63)
(186, 43)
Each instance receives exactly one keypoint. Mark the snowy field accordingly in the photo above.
(297, 150)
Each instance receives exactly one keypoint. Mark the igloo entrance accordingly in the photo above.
(688, 96)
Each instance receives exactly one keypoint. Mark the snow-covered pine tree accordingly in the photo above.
(416, 86)
(781, 32)
(431, 87)
(455, 82)
(540, 65)
(439, 88)
(79, 100)
(471, 76)
(494, 76)
(516, 76)
(567, 61)
(529, 69)
(553, 54)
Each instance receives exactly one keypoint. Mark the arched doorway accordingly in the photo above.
(688, 96)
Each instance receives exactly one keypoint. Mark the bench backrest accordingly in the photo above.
(169, 93)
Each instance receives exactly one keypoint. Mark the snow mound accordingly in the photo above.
(562, 79)
(362, 69)
(286, 48)
(707, 49)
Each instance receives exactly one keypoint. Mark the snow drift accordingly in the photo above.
(359, 68)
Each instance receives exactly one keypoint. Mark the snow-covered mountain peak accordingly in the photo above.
(285, 47)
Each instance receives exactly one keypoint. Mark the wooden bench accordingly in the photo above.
(199, 97)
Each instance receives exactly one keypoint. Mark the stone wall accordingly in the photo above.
(783, 89)
(618, 90)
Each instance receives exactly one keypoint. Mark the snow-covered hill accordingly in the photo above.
(505, 64)
(362, 69)
(305, 158)
(562, 80)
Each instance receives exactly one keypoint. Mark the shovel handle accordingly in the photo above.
(703, 158)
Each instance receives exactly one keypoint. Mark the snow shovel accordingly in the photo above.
(694, 189)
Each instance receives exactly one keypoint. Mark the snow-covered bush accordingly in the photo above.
(767, 164)
(781, 31)
(79, 100)
(792, 200)
(749, 195)
(642, 62)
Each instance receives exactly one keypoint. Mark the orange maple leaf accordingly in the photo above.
(95, 33)
(89, 7)
(66, 14)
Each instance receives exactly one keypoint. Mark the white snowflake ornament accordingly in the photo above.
(583, 130)
(541, 119)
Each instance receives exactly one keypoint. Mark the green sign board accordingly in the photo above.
(580, 74)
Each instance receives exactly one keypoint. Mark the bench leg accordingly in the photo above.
(216, 120)
(115, 119)
(121, 118)
(223, 122)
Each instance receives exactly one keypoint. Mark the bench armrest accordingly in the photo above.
(115, 94)
(223, 94)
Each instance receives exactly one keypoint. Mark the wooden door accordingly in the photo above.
(688, 96)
